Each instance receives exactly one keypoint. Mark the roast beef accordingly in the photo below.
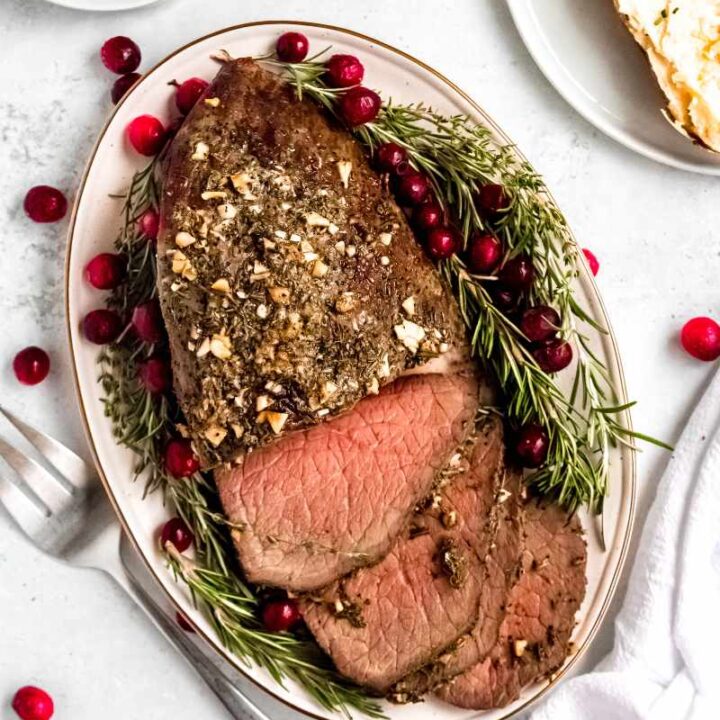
(535, 634)
(385, 621)
(289, 280)
(323, 501)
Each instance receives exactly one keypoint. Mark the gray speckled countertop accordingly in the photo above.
(653, 228)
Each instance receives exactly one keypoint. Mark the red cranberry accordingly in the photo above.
(592, 261)
(122, 85)
(146, 134)
(188, 93)
(442, 243)
(155, 375)
(292, 47)
(701, 338)
(412, 188)
(45, 204)
(505, 298)
(31, 365)
(184, 623)
(484, 254)
(102, 326)
(531, 445)
(120, 55)
(345, 71)
(280, 615)
(554, 356)
(518, 273)
(540, 323)
(391, 158)
(180, 460)
(491, 199)
(32, 703)
(149, 224)
(428, 216)
(177, 532)
(105, 271)
(359, 105)
(148, 323)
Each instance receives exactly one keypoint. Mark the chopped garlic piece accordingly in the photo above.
(220, 346)
(280, 234)
(213, 194)
(215, 435)
(333, 229)
(408, 305)
(204, 348)
(183, 239)
(339, 607)
(340, 246)
(276, 420)
(310, 256)
(182, 266)
(295, 238)
(212, 102)
(269, 244)
(344, 169)
(385, 238)
(238, 430)
(384, 370)
(346, 303)
(373, 387)
(384, 260)
(260, 269)
(410, 334)
(256, 209)
(350, 251)
(262, 402)
(285, 205)
(444, 347)
(315, 219)
(519, 647)
(279, 295)
(221, 285)
(241, 181)
(226, 211)
(306, 246)
(262, 311)
(328, 390)
(320, 269)
(201, 151)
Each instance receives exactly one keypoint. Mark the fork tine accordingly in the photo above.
(27, 514)
(73, 468)
(52, 493)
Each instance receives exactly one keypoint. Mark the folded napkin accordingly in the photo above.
(665, 664)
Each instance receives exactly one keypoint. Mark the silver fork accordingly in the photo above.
(68, 517)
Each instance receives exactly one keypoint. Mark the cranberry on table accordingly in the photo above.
(180, 460)
(701, 338)
(120, 55)
(442, 243)
(280, 615)
(155, 375)
(106, 271)
(491, 199)
(518, 272)
(188, 93)
(31, 365)
(122, 85)
(391, 158)
(184, 623)
(428, 216)
(45, 204)
(148, 323)
(553, 356)
(540, 323)
(484, 254)
(345, 71)
(592, 261)
(146, 134)
(102, 326)
(412, 188)
(292, 47)
(531, 445)
(32, 703)
(177, 532)
(149, 224)
(359, 105)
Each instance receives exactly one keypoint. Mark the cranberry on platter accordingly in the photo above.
(391, 158)
(491, 199)
(412, 188)
(442, 243)
(122, 85)
(149, 224)
(102, 326)
(553, 356)
(280, 615)
(188, 93)
(344, 71)
(531, 445)
(484, 254)
(155, 375)
(540, 323)
(701, 338)
(180, 460)
(31, 365)
(176, 531)
(32, 703)
(146, 134)
(592, 261)
(518, 272)
(120, 55)
(106, 271)
(292, 47)
(148, 323)
(428, 216)
(184, 623)
(359, 105)
(45, 204)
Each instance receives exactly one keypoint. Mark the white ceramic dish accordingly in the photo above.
(587, 54)
(102, 5)
(95, 222)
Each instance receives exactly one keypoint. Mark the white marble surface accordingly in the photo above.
(653, 229)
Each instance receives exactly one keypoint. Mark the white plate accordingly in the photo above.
(585, 51)
(95, 222)
(102, 5)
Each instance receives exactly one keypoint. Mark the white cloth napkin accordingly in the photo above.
(665, 664)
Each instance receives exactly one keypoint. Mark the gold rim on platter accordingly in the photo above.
(629, 462)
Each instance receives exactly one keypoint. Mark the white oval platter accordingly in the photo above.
(95, 223)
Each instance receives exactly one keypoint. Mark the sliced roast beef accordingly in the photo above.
(502, 567)
(289, 280)
(535, 634)
(326, 500)
(385, 621)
